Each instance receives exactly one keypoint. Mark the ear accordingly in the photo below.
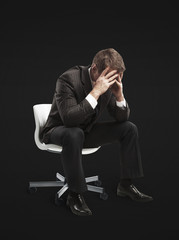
(94, 67)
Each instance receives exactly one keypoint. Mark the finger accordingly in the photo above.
(111, 73)
(119, 84)
(112, 82)
(119, 78)
(104, 71)
(113, 77)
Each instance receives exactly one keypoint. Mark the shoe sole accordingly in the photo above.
(121, 194)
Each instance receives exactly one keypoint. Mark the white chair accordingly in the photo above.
(41, 112)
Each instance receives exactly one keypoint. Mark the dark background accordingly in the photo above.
(38, 43)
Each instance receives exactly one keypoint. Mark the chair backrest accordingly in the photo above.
(41, 112)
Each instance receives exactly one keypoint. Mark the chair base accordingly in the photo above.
(60, 182)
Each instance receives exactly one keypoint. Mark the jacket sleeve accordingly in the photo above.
(71, 112)
(121, 114)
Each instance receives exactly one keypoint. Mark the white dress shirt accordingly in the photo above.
(94, 102)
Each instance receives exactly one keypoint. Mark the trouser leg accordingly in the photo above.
(71, 140)
(126, 134)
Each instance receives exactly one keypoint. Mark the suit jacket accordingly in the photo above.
(71, 109)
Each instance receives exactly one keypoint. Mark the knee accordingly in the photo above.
(74, 135)
(130, 127)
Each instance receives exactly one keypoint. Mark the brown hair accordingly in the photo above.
(109, 58)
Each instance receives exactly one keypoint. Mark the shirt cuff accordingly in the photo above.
(121, 103)
(91, 100)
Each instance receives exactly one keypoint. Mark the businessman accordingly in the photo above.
(82, 93)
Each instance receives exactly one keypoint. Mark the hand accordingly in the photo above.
(117, 88)
(104, 81)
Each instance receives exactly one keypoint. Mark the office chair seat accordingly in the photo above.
(41, 112)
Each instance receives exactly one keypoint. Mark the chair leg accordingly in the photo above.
(92, 188)
(46, 184)
(62, 190)
(60, 177)
(92, 179)
(60, 182)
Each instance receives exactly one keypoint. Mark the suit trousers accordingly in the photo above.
(73, 139)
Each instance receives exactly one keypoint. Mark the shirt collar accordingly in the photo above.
(92, 82)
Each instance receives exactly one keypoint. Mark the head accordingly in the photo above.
(107, 58)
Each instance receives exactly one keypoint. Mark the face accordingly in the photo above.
(95, 73)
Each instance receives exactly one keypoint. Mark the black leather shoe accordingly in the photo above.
(77, 205)
(132, 192)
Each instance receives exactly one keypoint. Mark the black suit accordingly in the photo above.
(70, 108)
(72, 123)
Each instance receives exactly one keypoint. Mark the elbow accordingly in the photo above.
(123, 117)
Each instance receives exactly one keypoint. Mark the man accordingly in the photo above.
(82, 93)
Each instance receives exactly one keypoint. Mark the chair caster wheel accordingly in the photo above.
(98, 183)
(104, 196)
(59, 201)
(32, 190)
